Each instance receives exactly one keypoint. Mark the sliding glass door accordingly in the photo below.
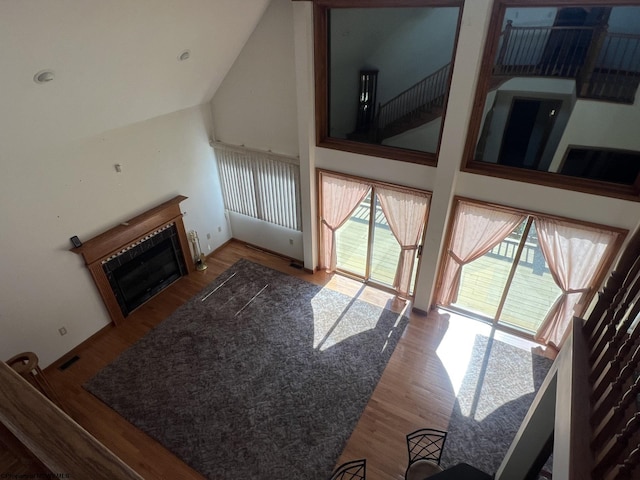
(370, 240)
(365, 245)
(352, 240)
(385, 250)
(511, 283)
(528, 272)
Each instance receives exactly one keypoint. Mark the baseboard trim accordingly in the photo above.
(74, 351)
(220, 247)
(267, 251)
(419, 312)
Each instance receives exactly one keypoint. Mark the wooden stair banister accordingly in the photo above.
(419, 100)
(613, 336)
(603, 347)
(616, 414)
(592, 391)
(616, 285)
(52, 436)
(607, 456)
(624, 470)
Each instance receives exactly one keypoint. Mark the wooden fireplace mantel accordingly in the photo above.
(101, 247)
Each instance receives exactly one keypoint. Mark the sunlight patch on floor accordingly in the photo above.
(479, 398)
(455, 350)
(329, 330)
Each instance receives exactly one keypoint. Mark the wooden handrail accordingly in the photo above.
(613, 336)
(52, 436)
(608, 68)
(425, 94)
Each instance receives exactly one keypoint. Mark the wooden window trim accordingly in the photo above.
(636, 183)
(372, 184)
(550, 179)
(600, 275)
(321, 58)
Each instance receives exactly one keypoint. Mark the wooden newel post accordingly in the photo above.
(586, 72)
(506, 34)
(26, 365)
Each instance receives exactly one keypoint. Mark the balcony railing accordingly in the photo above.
(605, 65)
(531, 255)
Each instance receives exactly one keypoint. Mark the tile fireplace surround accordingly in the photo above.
(100, 249)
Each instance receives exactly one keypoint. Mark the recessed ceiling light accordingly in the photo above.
(184, 55)
(43, 76)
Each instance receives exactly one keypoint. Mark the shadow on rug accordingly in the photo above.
(496, 393)
(261, 375)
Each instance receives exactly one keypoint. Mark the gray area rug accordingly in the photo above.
(496, 393)
(264, 379)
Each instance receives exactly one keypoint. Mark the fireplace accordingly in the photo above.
(153, 264)
(137, 259)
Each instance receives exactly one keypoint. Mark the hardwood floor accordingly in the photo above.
(416, 390)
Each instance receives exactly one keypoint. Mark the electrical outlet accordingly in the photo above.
(291, 241)
(208, 236)
(62, 330)
(219, 229)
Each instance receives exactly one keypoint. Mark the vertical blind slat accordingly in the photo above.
(260, 186)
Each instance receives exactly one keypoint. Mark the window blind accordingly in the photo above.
(260, 184)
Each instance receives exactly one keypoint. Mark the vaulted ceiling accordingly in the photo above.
(115, 61)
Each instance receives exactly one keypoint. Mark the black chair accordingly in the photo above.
(355, 470)
(425, 450)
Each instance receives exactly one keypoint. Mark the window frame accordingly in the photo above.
(550, 179)
(373, 184)
(599, 279)
(321, 66)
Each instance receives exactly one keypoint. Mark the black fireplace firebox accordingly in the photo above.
(145, 268)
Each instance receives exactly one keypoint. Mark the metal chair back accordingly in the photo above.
(355, 470)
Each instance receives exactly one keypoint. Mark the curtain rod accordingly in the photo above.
(243, 149)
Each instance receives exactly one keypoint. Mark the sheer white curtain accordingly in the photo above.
(340, 197)
(406, 213)
(476, 230)
(575, 254)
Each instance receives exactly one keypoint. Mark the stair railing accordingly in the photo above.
(542, 51)
(53, 437)
(426, 95)
(612, 334)
(605, 65)
(615, 73)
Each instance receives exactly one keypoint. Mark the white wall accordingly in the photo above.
(423, 138)
(601, 124)
(256, 106)
(530, 16)
(269, 236)
(577, 205)
(256, 103)
(376, 168)
(49, 194)
(422, 44)
(624, 20)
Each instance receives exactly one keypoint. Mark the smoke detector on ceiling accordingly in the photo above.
(184, 55)
(44, 76)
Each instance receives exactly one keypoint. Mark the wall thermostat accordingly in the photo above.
(75, 241)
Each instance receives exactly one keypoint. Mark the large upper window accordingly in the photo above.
(557, 99)
(383, 74)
